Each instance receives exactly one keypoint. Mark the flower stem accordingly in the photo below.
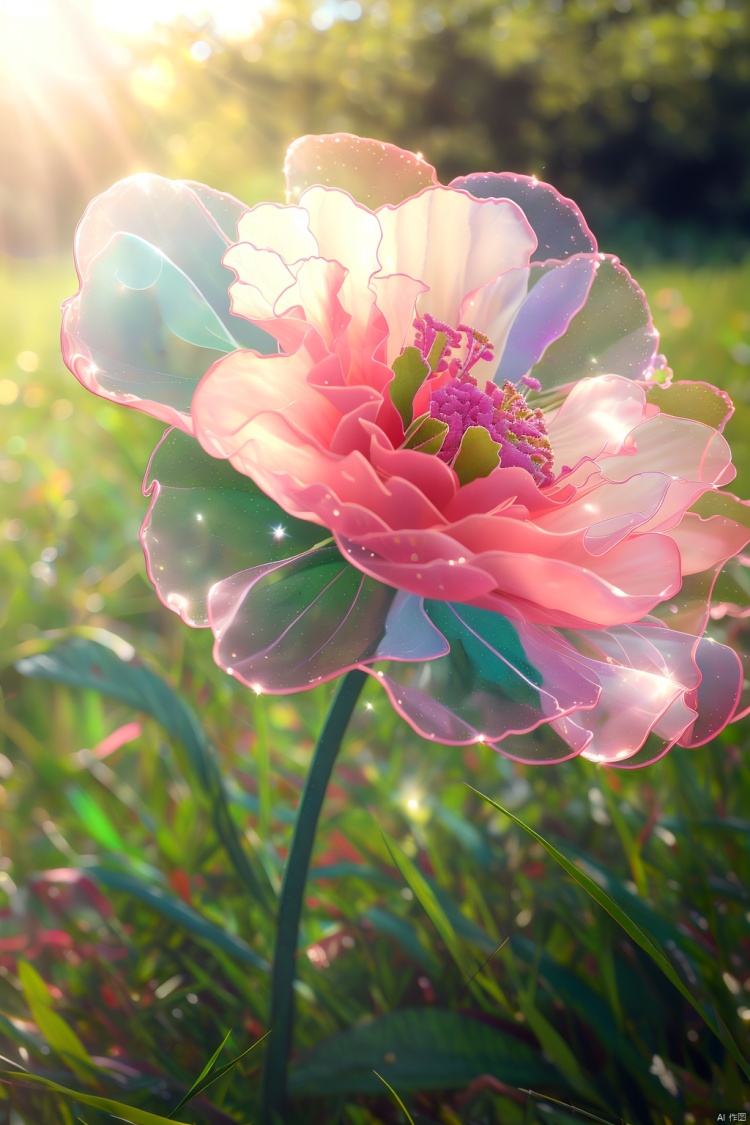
(273, 1093)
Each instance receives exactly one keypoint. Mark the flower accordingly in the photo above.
(425, 431)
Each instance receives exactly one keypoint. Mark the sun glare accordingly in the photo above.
(228, 19)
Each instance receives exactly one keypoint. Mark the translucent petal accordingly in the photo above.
(560, 228)
(152, 312)
(613, 333)
(207, 521)
(289, 625)
(557, 291)
(374, 173)
(496, 679)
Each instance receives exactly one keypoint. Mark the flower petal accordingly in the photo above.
(206, 521)
(557, 291)
(289, 625)
(613, 334)
(455, 244)
(152, 311)
(557, 222)
(495, 680)
(374, 173)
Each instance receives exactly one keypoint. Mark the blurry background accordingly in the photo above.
(638, 109)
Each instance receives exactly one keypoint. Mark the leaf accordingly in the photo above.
(404, 934)
(177, 911)
(208, 1075)
(477, 455)
(85, 664)
(53, 1027)
(426, 434)
(94, 820)
(424, 1049)
(699, 401)
(409, 373)
(108, 1105)
(647, 943)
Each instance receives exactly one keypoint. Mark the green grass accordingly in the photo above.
(463, 968)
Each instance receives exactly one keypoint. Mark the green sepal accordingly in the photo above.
(436, 351)
(477, 455)
(426, 434)
(409, 373)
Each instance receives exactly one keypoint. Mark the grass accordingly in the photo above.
(452, 968)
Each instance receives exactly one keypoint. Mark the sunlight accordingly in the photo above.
(228, 19)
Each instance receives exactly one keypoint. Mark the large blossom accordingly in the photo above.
(425, 431)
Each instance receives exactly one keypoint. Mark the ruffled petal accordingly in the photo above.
(557, 222)
(373, 172)
(206, 521)
(152, 311)
(455, 244)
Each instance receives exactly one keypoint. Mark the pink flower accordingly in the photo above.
(451, 404)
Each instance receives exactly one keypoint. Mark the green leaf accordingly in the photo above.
(646, 942)
(422, 1049)
(426, 434)
(61, 1038)
(83, 663)
(477, 455)
(108, 1105)
(699, 401)
(208, 1075)
(410, 372)
(94, 820)
(177, 911)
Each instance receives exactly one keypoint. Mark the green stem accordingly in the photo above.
(273, 1096)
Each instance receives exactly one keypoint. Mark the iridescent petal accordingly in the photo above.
(557, 291)
(560, 228)
(152, 312)
(497, 679)
(455, 244)
(374, 173)
(613, 333)
(289, 625)
(206, 521)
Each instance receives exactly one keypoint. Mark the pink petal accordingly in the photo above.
(283, 229)
(454, 244)
(373, 172)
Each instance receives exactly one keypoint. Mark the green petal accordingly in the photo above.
(206, 521)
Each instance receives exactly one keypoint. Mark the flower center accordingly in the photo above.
(517, 428)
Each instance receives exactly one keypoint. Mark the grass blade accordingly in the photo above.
(396, 1098)
(208, 1076)
(108, 1105)
(646, 942)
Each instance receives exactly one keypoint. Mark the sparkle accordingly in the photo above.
(199, 517)
(278, 533)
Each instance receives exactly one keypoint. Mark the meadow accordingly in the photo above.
(145, 814)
